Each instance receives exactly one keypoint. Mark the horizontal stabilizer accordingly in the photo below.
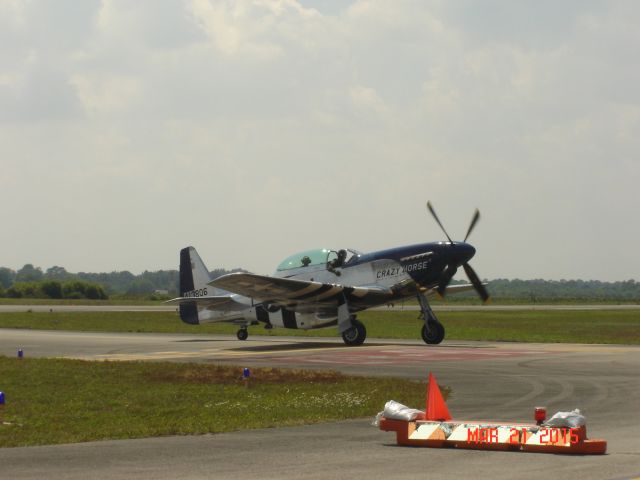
(202, 302)
(199, 303)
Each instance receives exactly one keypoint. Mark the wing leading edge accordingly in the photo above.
(290, 292)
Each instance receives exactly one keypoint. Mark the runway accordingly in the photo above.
(437, 308)
(490, 380)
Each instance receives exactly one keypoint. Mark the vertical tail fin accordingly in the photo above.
(194, 278)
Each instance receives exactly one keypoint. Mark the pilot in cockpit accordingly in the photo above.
(337, 262)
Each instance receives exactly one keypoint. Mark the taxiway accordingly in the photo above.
(490, 380)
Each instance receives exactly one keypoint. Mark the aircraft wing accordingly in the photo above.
(453, 289)
(291, 292)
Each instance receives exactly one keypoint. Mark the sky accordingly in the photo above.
(255, 129)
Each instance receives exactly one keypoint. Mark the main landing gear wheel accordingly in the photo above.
(355, 335)
(434, 334)
(242, 334)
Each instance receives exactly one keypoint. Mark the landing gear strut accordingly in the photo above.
(352, 331)
(432, 330)
(243, 333)
(356, 334)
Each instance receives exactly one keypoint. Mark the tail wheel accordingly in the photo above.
(355, 335)
(242, 334)
(434, 334)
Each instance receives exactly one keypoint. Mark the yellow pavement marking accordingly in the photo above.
(146, 356)
(288, 351)
(233, 353)
(208, 352)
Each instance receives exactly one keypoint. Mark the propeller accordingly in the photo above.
(433, 212)
(475, 281)
(474, 220)
(450, 271)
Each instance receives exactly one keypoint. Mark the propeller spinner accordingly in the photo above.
(451, 269)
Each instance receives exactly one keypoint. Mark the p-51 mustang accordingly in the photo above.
(323, 287)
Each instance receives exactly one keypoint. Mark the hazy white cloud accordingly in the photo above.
(254, 128)
(366, 99)
(104, 95)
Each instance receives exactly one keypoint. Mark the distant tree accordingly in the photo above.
(29, 273)
(13, 292)
(96, 292)
(162, 279)
(51, 289)
(218, 272)
(57, 273)
(25, 290)
(118, 282)
(6, 276)
(74, 289)
(140, 286)
(80, 289)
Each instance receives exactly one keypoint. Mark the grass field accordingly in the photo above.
(51, 401)
(461, 299)
(586, 326)
(69, 301)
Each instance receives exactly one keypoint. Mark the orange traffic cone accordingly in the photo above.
(436, 408)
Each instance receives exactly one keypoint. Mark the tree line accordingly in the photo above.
(57, 282)
(538, 290)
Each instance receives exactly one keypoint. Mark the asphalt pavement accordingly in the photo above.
(490, 380)
(397, 306)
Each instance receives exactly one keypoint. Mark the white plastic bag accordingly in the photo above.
(397, 411)
(573, 419)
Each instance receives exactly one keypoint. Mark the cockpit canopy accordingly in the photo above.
(319, 256)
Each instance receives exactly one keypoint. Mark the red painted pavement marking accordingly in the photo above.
(396, 356)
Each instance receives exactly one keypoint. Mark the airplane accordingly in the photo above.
(324, 287)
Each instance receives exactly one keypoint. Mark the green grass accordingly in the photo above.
(586, 326)
(119, 300)
(460, 299)
(50, 401)
(568, 326)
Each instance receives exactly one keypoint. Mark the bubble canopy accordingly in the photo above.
(318, 256)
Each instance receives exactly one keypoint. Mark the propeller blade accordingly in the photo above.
(433, 213)
(476, 282)
(474, 220)
(445, 278)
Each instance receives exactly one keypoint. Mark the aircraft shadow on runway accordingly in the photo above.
(285, 346)
(282, 345)
(213, 340)
(276, 347)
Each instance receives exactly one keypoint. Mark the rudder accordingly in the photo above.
(194, 276)
(194, 279)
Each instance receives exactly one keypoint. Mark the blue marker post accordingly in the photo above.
(246, 374)
(1, 407)
(20, 353)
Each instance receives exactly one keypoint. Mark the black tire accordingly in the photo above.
(242, 334)
(355, 335)
(434, 335)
